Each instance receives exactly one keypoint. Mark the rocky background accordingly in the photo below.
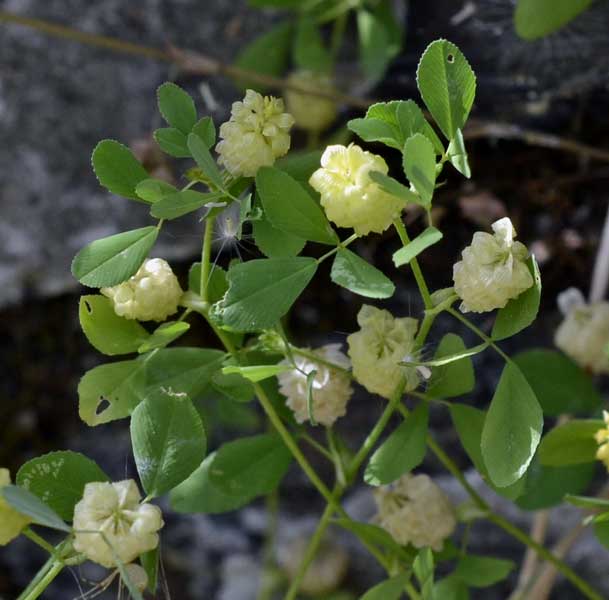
(58, 98)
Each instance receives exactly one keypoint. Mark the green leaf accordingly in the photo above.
(447, 359)
(117, 169)
(309, 51)
(153, 190)
(450, 588)
(534, 19)
(289, 207)
(257, 372)
(585, 502)
(262, 291)
(392, 123)
(112, 260)
(447, 85)
(560, 385)
(199, 493)
(390, 589)
(455, 378)
(273, 242)
(234, 386)
(206, 130)
(216, 286)
(163, 335)
(360, 277)
(268, 54)
(570, 444)
(520, 312)
(31, 506)
(250, 467)
(469, 422)
(105, 330)
(424, 240)
(59, 478)
(168, 441)
(423, 567)
(200, 152)
(376, 45)
(150, 563)
(172, 141)
(420, 165)
(601, 531)
(457, 155)
(177, 107)
(482, 571)
(112, 391)
(547, 486)
(512, 428)
(402, 451)
(183, 202)
(395, 188)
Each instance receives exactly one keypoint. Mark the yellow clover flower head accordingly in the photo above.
(348, 195)
(493, 269)
(12, 522)
(331, 388)
(584, 333)
(130, 527)
(311, 112)
(257, 133)
(377, 349)
(152, 294)
(414, 510)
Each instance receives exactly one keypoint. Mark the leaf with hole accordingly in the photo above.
(447, 85)
(112, 260)
(105, 330)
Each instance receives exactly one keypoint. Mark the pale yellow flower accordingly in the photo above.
(310, 111)
(152, 294)
(257, 133)
(414, 510)
(130, 528)
(602, 439)
(584, 333)
(348, 195)
(12, 522)
(493, 269)
(377, 349)
(331, 388)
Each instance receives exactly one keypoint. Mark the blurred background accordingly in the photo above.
(539, 151)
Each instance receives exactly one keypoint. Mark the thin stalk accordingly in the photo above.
(34, 537)
(414, 265)
(44, 583)
(206, 258)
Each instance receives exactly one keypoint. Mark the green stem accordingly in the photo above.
(206, 258)
(338, 32)
(414, 265)
(43, 584)
(478, 332)
(34, 537)
(412, 593)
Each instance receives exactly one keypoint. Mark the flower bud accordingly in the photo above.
(414, 510)
(331, 389)
(310, 111)
(493, 269)
(129, 528)
(348, 195)
(377, 349)
(152, 294)
(138, 576)
(257, 133)
(584, 333)
(12, 522)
